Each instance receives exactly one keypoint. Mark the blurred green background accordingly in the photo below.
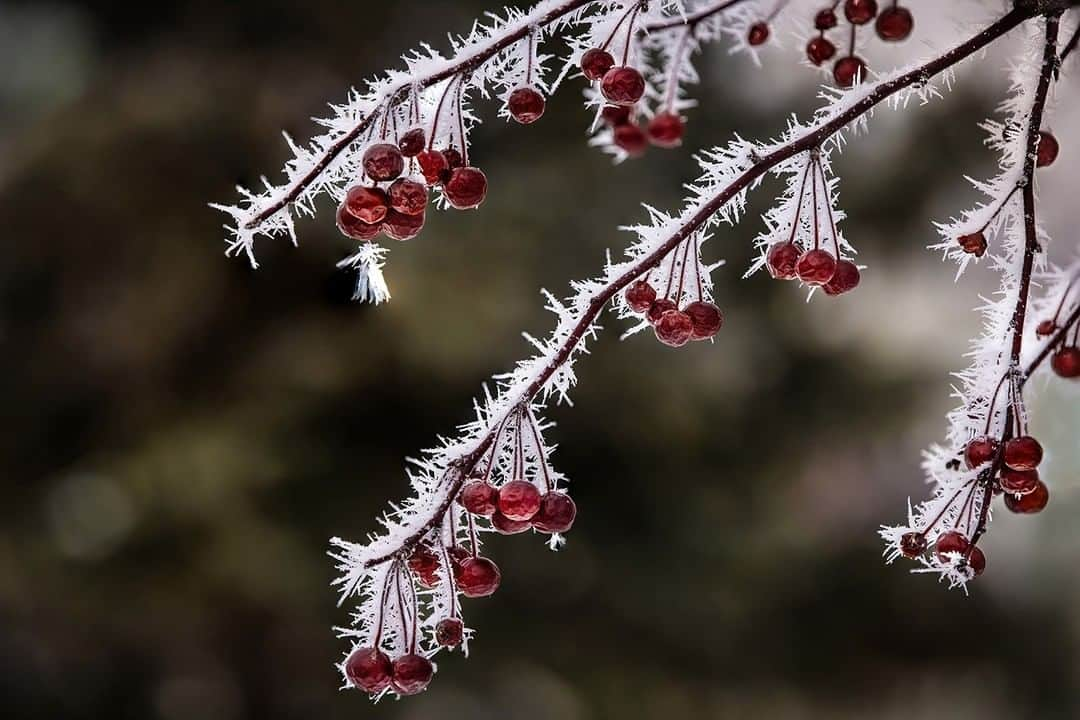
(182, 434)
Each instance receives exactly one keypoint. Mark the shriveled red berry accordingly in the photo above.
(557, 513)
(433, 164)
(449, 632)
(519, 500)
(782, 259)
(368, 204)
(383, 161)
(355, 228)
(658, 308)
(596, 62)
(526, 105)
(412, 673)
(979, 451)
(425, 566)
(894, 24)
(705, 318)
(622, 85)
(1019, 482)
(615, 115)
(631, 138)
(1030, 503)
(666, 130)
(976, 561)
(505, 526)
(640, 295)
(820, 49)
(466, 188)
(759, 33)
(1046, 328)
(479, 497)
(1048, 149)
(1023, 453)
(369, 669)
(816, 267)
(674, 328)
(849, 71)
(400, 226)
(1066, 362)
(477, 577)
(973, 243)
(845, 279)
(950, 542)
(825, 19)
(408, 197)
(860, 12)
(412, 143)
(453, 157)
(912, 544)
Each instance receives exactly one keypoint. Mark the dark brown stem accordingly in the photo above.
(694, 19)
(1071, 322)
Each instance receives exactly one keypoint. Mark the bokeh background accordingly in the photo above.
(182, 434)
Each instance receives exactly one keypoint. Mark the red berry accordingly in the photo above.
(782, 259)
(519, 500)
(557, 513)
(453, 158)
(477, 577)
(820, 49)
(505, 526)
(815, 267)
(976, 560)
(912, 544)
(706, 319)
(860, 12)
(1046, 328)
(759, 33)
(615, 115)
(425, 566)
(383, 161)
(849, 71)
(526, 105)
(596, 62)
(674, 328)
(973, 243)
(408, 197)
(950, 542)
(1066, 362)
(1023, 453)
(466, 188)
(666, 130)
(402, 227)
(1048, 149)
(979, 451)
(640, 295)
(412, 673)
(631, 138)
(433, 164)
(825, 19)
(449, 632)
(353, 227)
(369, 669)
(622, 85)
(479, 497)
(1019, 482)
(412, 143)
(894, 24)
(1030, 503)
(367, 204)
(845, 279)
(658, 308)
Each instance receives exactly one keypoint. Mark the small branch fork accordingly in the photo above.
(872, 95)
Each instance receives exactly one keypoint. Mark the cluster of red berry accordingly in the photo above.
(519, 505)
(698, 320)
(1065, 360)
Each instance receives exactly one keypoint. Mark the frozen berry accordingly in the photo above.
(596, 62)
(976, 560)
(615, 115)
(706, 319)
(631, 138)
(845, 279)
(408, 197)
(980, 451)
(973, 243)
(519, 500)
(816, 267)
(449, 632)
(1066, 362)
(912, 544)
(1048, 149)
(950, 542)
(640, 295)
(412, 673)
(477, 577)
(412, 143)
(557, 513)
(367, 204)
(849, 71)
(383, 161)
(425, 566)
(820, 49)
(666, 130)
(1046, 328)
(623, 85)
(782, 259)
(825, 19)
(894, 24)
(400, 226)
(759, 33)
(433, 164)
(355, 228)
(860, 12)
(466, 188)
(1030, 503)
(369, 669)
(505, 526)
(479, 497)
(1023, 453)
(526, 105)
(1019, 482)
(453, 157)
(658, 308)
(674, 328)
